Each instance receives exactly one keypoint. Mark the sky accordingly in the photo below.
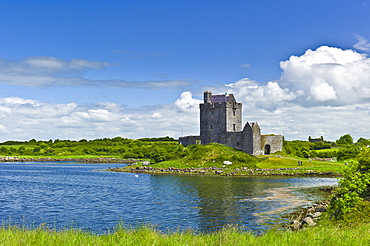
(100, 69)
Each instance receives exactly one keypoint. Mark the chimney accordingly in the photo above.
(207, 96)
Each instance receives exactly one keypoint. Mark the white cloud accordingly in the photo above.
(268, 96)
(50, 71)
(323, 92)
(362, 44)
(327, 75)
(186, 101)
(245, 65)
(26, 119)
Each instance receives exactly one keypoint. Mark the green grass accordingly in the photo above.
(27, 146)
(273, 161)
(329, 150)
(211, 155)
(322, 235)
(215, 158)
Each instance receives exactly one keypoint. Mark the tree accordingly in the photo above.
(345, 140)
(36, 150)
(348, 152)
(364, 160)
(363, 142)
(21, 150)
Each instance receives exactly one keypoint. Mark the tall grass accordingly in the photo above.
(322, 235)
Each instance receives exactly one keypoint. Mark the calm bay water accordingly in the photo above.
(68, 194)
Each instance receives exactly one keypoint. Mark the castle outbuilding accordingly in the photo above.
(221, 122)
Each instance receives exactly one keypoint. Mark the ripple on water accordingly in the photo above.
(64, 195)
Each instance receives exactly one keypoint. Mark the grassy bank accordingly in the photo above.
(211, 159)
(323, 235)
(276, 161)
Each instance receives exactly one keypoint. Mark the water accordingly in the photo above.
(68, 194)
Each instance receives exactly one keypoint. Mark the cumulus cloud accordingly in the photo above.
(326, 76)
(26, 119)
(186, 101)
(23, 119)
(323, 92)
(50, 71)
(268, 96)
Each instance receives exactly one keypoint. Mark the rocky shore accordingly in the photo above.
(222, 171)
(308, 216)
(83, 160)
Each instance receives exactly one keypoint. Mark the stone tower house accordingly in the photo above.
(221, 122)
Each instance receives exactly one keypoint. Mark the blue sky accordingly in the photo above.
(95, 69)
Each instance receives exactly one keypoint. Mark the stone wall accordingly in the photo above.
(274, 141)
(247, 139)
(189, 140)
(212, 122)
(235, 140)
(233, 116)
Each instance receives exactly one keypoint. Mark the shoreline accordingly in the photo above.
(225, 172)
(81, 160)
(173, 170)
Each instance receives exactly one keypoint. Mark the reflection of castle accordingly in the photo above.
(221, 122)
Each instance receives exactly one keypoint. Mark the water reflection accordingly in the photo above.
(221, 201)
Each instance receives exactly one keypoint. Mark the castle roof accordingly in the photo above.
(219, 98)
(253, 124)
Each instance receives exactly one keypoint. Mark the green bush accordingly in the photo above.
(345, 140)
(352, 189)
(348, 153)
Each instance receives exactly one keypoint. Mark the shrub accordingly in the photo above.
(348, 152)
(352, 189)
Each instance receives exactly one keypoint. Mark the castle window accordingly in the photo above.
(233, 112)
(234, 127)
(211, 126)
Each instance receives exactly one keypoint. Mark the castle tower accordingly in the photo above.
(252, 138)
(219, 115)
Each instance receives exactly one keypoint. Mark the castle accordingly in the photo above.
(221, 122)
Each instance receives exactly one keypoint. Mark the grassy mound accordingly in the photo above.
(211, 155)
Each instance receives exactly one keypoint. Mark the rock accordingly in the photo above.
(295, 225)
(316, 215)
(320, 208)
(309, 221)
